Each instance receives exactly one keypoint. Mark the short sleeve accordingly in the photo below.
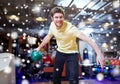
(76, 32)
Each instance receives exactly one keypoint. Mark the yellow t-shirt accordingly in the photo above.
(65, 37)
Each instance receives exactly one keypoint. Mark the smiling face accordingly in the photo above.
(57, 15)
(58, 19)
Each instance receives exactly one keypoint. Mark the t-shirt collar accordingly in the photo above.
(63, 27)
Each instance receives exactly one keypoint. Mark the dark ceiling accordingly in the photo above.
(103, 16)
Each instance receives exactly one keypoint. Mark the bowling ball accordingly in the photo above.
(117, 62)
(112, 62)
(36, 55)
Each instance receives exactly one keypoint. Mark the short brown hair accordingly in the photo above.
(57, 10)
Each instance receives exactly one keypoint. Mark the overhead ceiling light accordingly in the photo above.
(63, 2)
(90, 4)
(98, 6)
(89, 21)
(105, 25)
(40, 19)
(80, 3)
(14, 17)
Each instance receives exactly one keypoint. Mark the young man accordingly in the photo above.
(67, 51)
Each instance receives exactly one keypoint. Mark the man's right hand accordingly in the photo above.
(37, 49)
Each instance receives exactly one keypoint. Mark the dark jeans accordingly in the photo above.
(71, 61)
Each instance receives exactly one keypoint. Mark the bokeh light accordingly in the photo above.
(100, 76)
(25, 82)
(14, 35)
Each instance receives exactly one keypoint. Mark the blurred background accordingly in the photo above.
(24, 24)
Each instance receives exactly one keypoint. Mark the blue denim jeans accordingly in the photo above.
(71, 60)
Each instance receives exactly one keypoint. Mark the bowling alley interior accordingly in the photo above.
(25, 23)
